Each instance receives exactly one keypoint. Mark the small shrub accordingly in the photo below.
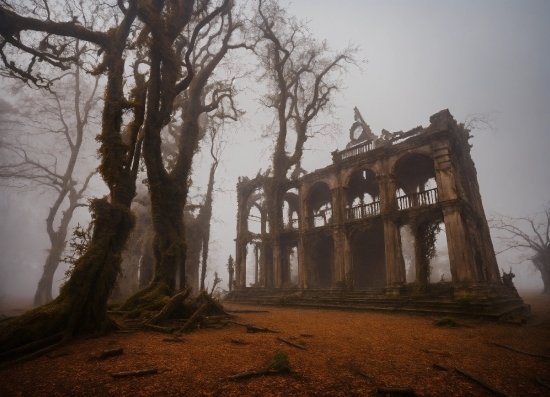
(280, 363)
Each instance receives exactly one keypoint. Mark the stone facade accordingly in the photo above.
(343, 222)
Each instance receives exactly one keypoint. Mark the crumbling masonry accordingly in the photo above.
(344, 224)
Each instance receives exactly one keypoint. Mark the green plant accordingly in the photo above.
(280, 363)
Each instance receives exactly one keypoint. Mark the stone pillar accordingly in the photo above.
(240, 263)
(338, 234)
(460, 255)
(444, 173)
(302, 265)
(277, 279)
(395, 265)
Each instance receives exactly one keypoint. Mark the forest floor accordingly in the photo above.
(392, 350)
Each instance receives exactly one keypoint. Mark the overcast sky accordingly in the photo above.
(423, 56)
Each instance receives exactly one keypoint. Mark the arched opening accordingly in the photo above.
(369, 258)
(440, 265)
(289, 264)
(291, 209)
(321, 262)
(255, 219)
(415, 181)
(363, 198)
(319, 205)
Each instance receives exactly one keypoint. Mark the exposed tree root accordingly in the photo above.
(521, 351)
(482, 383)
(170, 307)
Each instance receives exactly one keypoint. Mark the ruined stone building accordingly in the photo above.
(343, 226)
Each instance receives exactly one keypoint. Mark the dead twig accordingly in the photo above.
(110, 353)
(520, 351)
(288, 342)
(364, 375)
(482, 383)
(140, 372)
(164, 330)
(253, 328)
(239, 342)
(440, 367)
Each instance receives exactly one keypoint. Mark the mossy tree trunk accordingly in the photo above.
(81, 305)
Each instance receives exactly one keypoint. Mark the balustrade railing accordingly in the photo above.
(324, 217)
(363, 211)
(355, 150)
(427, 197)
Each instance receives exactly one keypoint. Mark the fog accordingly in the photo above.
(490, 57)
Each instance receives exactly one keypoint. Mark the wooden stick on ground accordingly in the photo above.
(364, 375)
(110, 353)
(440, 367)
(165, 330)
(292, 343)
(482, 383)
(254, 328)
(402, 391)
(239, 342)
(140, 372)
(520, 351)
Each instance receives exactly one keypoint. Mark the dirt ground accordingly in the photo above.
(394, 350)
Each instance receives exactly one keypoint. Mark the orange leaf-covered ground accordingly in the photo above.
(393, 349)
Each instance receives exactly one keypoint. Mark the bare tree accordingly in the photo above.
(205, 214)
(530, 235)
(61, 113)
(303, 75)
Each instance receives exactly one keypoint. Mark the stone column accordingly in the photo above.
(338, 235)
(277, 279)
(444, 172)
(302, 265)
(460, 254)
(395, 265)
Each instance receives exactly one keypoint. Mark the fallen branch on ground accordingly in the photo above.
(440, 367)
(253, 328)
(482, 383)
(520, 351)
(239, 342)
(140, 372)
(110, 353)
(292, 343)
(165, 330)
(306, 335)
(364, 375)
